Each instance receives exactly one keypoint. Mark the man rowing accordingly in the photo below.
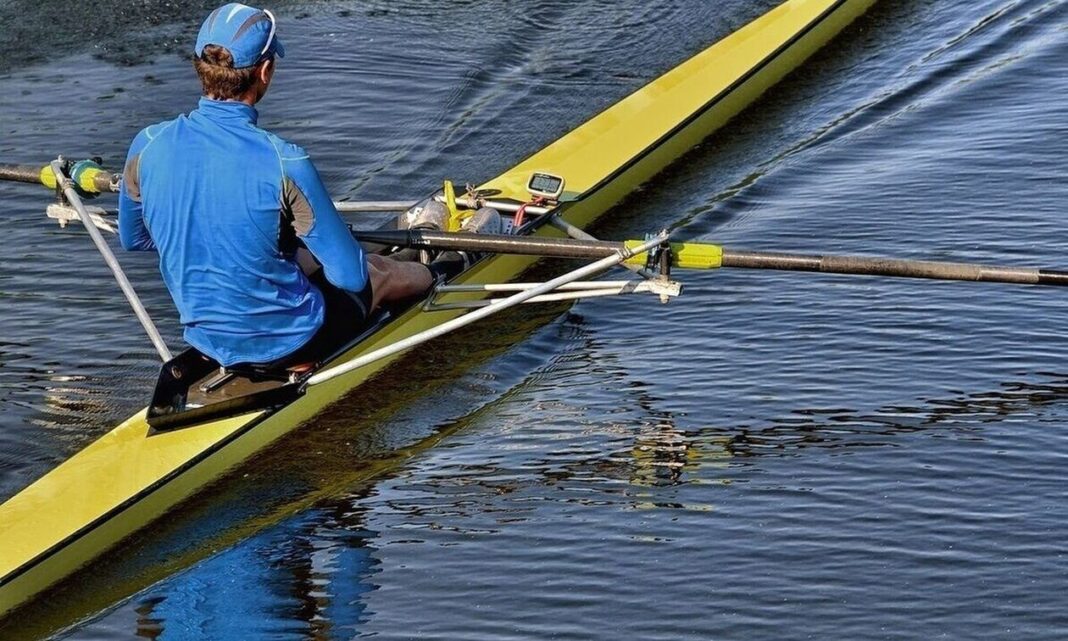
(261, 266)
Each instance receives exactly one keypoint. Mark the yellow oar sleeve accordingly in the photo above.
(684, 255)
(48, 179)
(84, 173)
(85, 176)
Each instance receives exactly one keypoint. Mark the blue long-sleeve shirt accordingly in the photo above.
(225, 202)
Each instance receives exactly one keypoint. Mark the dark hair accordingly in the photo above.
(215, 67)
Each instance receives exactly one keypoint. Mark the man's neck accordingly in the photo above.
(248, 99)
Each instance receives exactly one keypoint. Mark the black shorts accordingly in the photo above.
(345, 317)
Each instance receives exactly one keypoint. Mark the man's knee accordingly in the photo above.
(394, 280)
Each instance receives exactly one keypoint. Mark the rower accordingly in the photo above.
(260, 264)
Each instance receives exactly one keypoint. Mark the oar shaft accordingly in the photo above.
(20, 173)
(502, 244)
(105, 181)
(866, 266)
(98, 182)
(706, 256)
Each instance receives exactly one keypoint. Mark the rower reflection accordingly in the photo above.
(315, 569)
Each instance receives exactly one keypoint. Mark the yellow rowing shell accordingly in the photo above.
(132, 476)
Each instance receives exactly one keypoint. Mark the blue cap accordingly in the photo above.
(249, 34)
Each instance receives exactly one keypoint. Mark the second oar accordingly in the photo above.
(692, 255)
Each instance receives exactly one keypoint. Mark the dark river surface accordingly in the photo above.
(772, 456)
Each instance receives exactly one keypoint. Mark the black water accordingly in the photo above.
(772, 456)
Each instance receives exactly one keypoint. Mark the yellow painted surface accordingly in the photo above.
(92, 485)
(96, 480)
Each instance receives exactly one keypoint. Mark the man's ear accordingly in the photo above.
(264, 72)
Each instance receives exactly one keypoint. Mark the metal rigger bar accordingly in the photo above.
(652, 283)
(617, 257)
(64, 182)
(573, 291)
(372, 206)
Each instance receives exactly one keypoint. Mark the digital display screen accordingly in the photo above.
(546, 184)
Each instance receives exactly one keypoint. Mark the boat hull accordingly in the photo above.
(132, 476)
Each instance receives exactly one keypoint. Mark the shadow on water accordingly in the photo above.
(131, 33)
(124, 33)
(842, 429)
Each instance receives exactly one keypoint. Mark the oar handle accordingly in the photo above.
(865, 266)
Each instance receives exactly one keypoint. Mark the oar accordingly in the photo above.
(88, 175)
(690, 255)
(95, 180)
(92, 179)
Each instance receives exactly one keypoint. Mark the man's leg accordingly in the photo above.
(395, 281)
